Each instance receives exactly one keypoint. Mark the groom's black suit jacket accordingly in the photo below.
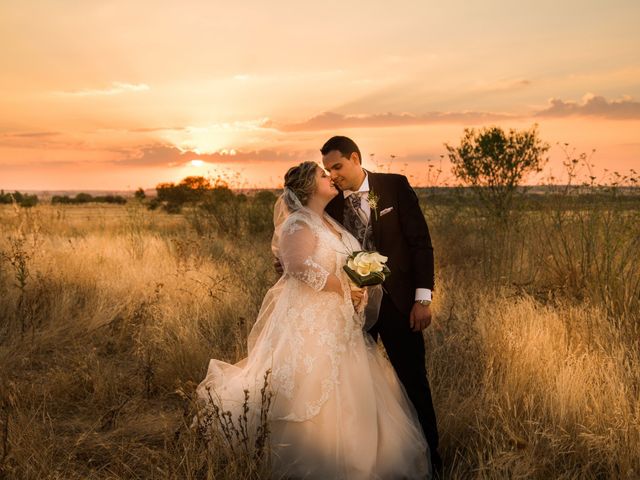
(401, 234)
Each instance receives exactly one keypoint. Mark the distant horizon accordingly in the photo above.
(246, 189)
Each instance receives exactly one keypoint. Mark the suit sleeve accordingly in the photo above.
(416, 232)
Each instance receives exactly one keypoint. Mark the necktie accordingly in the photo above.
(356, 203)
(356, 221)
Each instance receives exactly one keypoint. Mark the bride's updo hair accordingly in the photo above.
(301, 180)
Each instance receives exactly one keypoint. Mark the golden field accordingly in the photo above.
(109, 315)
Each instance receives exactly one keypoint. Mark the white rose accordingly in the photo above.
(360, 258)
(375, 266)
(376, 257)
(366, 258)
(363, 270)
(365, 263)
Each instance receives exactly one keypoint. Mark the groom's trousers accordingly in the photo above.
(406, 352)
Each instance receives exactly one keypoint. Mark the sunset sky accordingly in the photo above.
(120, 94)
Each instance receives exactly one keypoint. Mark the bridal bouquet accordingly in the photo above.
(367, 268)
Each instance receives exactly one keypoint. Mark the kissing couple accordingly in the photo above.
(340, 408)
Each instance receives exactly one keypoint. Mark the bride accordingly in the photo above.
(338, 410)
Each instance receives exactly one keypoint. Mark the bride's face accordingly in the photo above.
(324, 186)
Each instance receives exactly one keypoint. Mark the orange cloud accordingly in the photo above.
(332, 121)
(593, 105)
(37, 139)
(169, 156)
(116, 88)
(28, 134)
(155, 129)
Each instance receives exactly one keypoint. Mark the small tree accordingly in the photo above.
(139, 195)
(83, 198)
(195, 187)
(495, 163)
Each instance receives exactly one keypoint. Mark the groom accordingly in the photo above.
(382, 211)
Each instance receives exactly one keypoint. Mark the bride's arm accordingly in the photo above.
(296, 247)
(333, 284)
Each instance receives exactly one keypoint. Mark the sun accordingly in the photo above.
(196, 163)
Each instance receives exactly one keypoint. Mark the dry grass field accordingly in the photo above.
(109, 315)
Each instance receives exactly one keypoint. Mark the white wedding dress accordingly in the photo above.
(338, 410)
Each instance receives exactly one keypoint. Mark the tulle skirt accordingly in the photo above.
(365, 428)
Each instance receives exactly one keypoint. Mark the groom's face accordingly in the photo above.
(345, 172)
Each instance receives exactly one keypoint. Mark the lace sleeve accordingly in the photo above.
(296, 246)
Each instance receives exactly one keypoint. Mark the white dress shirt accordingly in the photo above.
(421, 293)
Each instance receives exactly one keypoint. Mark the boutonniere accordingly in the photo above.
(373, 202)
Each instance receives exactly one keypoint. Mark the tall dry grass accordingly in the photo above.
(121, 323)
(109, 315)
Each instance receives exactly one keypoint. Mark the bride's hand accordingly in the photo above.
(359, 297)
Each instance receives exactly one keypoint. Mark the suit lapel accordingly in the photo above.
(374, 186)
(335, 208)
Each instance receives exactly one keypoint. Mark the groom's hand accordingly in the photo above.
(420, 317)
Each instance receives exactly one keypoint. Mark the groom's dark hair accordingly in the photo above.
(344, 145)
